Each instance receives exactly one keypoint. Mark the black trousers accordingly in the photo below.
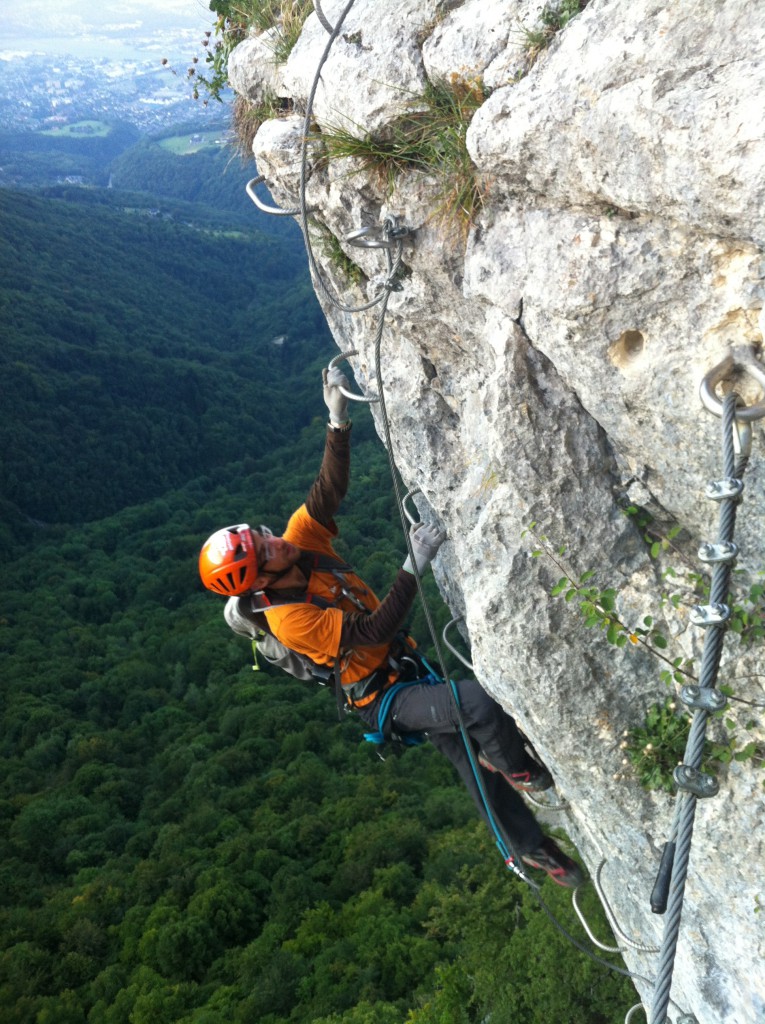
(431, 709)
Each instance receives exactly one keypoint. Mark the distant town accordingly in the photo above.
(39, 93)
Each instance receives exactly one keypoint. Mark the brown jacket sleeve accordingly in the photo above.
(328, 490)
(381, 626)
(330, 486)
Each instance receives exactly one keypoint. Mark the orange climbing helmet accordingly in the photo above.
(228, 561)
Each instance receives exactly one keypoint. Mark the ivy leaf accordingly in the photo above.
(746, 752)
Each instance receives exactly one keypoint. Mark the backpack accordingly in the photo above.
(276, 654)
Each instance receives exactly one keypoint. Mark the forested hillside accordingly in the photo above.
(133, 359)
(185, 840)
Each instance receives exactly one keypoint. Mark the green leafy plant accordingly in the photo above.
(598, 608)
(235, 20)
(334, 253)
(747, 611)
(553, 17)
(656, 746)
(430, 140)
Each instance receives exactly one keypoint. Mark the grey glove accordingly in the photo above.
(426, 540)
(334, 399)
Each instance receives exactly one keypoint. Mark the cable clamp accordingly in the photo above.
(709, 614)
(729, 489)
(387, 237)
(696, 782)
(704, 698)
(726, 551)
(393, 229)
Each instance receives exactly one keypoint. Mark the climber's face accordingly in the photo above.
(274, 554)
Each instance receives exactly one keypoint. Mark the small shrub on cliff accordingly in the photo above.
(236, 19)
(553, 18)
(655, 747)
(430, 140)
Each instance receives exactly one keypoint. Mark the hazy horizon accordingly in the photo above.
(110, 30)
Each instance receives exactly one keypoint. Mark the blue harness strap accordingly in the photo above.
(409, 739)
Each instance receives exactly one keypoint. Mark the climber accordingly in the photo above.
(313, 603)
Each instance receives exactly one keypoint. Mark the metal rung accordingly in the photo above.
(723, 370)
(468, 665)
(344, 391)
(366, 238)
(387, 237)
(264, 207)
(409, 494)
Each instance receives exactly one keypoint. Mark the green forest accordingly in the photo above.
(186, 840)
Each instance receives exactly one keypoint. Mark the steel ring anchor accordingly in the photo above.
(719, 373)
(344, 391)
(264, 207)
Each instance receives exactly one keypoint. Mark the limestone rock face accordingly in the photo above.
(545, 369)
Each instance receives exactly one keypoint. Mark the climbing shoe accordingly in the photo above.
(550, 858)
(531, 779)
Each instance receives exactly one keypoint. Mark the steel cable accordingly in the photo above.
(316, 273)
(694, 750)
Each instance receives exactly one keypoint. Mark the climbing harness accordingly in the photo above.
(704, 699)
(384, 730)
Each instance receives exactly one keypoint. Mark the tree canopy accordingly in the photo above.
(187, 840)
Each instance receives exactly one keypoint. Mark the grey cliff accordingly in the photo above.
(546, 368)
